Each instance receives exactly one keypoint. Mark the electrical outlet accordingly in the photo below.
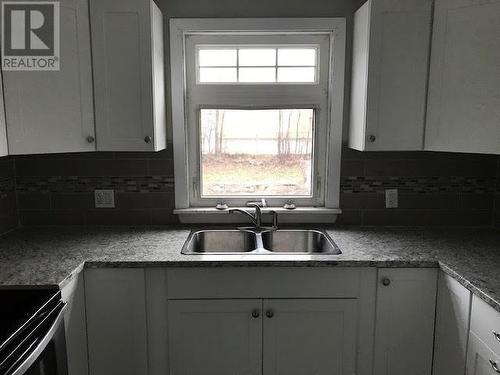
(104, 198)
(391, 198)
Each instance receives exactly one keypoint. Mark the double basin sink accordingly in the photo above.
(265, 241)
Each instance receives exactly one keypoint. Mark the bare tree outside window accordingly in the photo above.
(264, 152)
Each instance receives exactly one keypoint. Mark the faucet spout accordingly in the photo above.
(254, 221)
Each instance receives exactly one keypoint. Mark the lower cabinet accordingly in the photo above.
(270, 336)
(309, 336)
(483, 353)
(116, 321)
(215, 337)
(481, 360)
(73, 293)
(452, 326)
(261, 321)
(404, 334)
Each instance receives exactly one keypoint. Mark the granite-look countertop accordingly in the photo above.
(50, 256)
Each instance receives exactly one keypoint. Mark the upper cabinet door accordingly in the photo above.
(52, 111)
(464, 96)
(127, 53)
(3, 126)
(310, 336)
(389, 75)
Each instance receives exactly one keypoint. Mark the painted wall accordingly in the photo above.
(435, 188)
(265, 8)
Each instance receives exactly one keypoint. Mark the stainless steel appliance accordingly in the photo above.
(32, 338)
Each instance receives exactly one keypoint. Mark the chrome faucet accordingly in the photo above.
(256, 219)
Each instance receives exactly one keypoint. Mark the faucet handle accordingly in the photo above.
(261, 203)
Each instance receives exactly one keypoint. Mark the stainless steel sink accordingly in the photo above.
(260, 241)
(299, 241)
(220, 242)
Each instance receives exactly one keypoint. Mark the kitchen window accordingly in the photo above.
(257, 112)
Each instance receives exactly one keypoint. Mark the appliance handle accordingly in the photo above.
(26, 364)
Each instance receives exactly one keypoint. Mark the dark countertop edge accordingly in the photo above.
(471, 287)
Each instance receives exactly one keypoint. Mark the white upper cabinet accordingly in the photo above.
(127, 53)
(3, 126)
(389, 75)
(52, 111)
(464, 97)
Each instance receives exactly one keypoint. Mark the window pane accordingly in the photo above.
(296, 74)
(257, 75)
(257, 57)
(217, 57)
(264, 152)
(297, 57)
(217, 75)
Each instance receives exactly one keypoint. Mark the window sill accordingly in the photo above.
(210, 215)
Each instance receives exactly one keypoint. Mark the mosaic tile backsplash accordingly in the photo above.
(434, 188)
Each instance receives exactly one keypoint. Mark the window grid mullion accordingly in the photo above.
(276, 66)
(237, 65)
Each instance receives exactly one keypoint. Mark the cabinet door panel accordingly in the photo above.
(121, 42)
(452, 326)
(215, 337)
(464, 100)
(479, 357)
(307, 336)
(52, 111)
(485, 322)
(389, 74)
(404, 333)
(116, 321)
(3, 126)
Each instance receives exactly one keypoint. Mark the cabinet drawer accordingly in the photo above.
(485, 320)
(480, 359)
(258, 282)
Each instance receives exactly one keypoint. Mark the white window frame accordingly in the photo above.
(182, 29)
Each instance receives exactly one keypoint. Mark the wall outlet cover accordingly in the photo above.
(391, 198)
(104, 198)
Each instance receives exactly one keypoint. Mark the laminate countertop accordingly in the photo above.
(51, 256)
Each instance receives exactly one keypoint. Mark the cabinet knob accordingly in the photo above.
(269, 313)
(256, 313)
(494, 366)
(372, 138)
(386, 281)
(497, 335)
(147, 139)
(90, 139)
